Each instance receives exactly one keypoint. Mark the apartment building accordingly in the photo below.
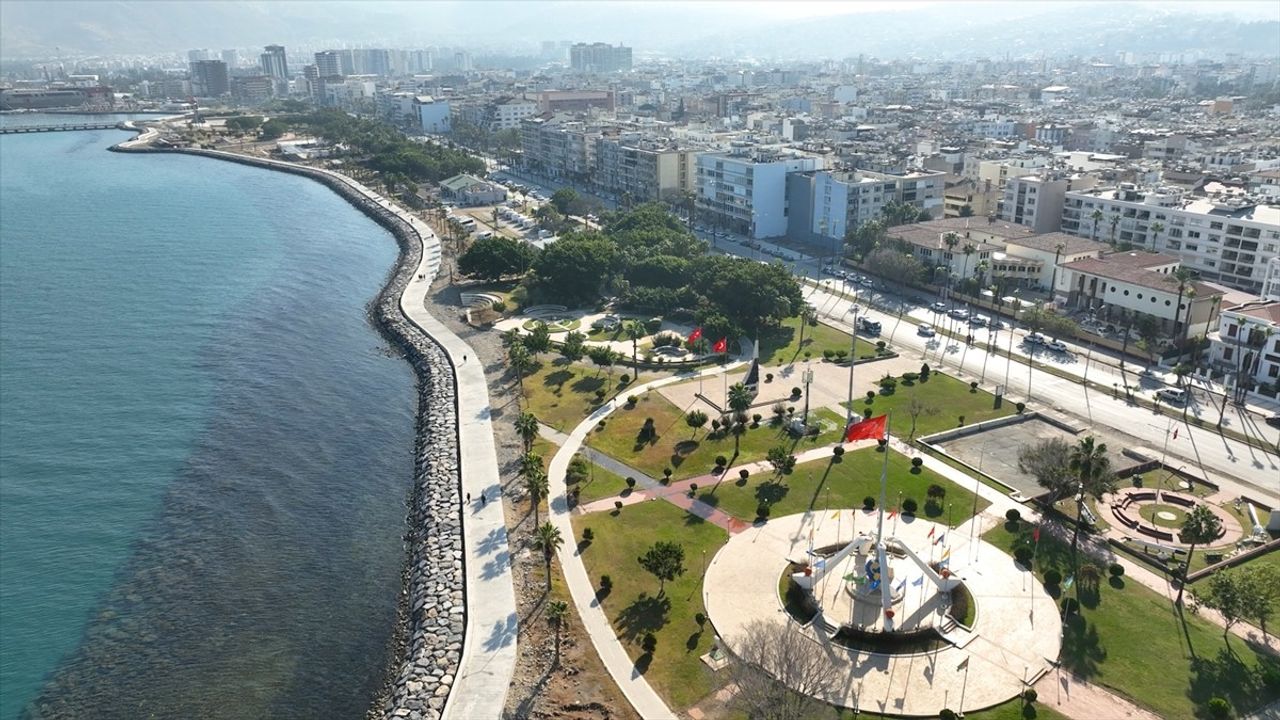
(979, 197)
(505, 113)
(1037, 200)
(825, 206)
(1246, 346)
(599, 58)
(559, 147)
(573, 101)
(433, 114)
(1225, 239)
(744, 189)
(209, 78)
(643, 169)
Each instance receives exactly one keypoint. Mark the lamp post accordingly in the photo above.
(807, 377)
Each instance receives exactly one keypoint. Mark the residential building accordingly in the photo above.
(1037, 200)
(574, 101)
(599, 58)
(274, 63)
(1122, 287)
(209, 78)
(928, 241)
(328, 64)
(744, 190)
(1223, 238)
(230, 57)
(253, 89)
(979, 197)
(643, 169)
(469, 191)
(397, 105)
(559, 148)
(1271, 283)
(824, 206)
(433, 115)
(1246, 346)
(503, 113)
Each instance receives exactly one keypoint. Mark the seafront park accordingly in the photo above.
(661, 475)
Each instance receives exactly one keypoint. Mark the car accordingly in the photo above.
(1057, 346)
(959, 313)
(1173, 396)
(868, 326)
(1035, 339)
(925, 330)
(939, 307)
(1273, 421)
(979, 320)
(866, 282)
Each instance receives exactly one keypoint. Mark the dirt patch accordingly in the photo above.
(571, 684)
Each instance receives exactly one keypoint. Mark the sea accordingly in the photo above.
(205, 446)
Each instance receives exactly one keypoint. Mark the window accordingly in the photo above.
(1139, 295)
(1126, 293)
(1273, 371)
(1231, 330)
(1215, 226)
(1227, 353)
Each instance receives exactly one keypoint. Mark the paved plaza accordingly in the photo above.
(1013, 639)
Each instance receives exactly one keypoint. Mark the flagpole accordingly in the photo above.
(884, 478)
(964, 684)
(853, 356)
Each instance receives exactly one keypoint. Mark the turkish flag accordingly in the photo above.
(870, 429)
(722, 345)
(695, 335)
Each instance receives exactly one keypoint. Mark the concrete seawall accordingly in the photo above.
(428, 642)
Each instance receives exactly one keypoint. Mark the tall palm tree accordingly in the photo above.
(634, 330)
(740, 397)
(968, 250)
(1115, 220)
(981, 269)
(1156, 228)
(1097, 220)
(807, 314)
(1198, 527)
(557, 613)
(520, 361)
(1092, 468)
(535, 482)
(548, 539)
(527, 427)
(1183, 277)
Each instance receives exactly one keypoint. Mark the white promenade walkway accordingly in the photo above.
(489, 641)
(633, 684)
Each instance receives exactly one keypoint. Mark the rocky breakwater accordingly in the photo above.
(430, 633)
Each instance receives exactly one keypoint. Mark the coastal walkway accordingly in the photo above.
(488, 653)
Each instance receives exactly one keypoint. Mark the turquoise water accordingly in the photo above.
(204, 446)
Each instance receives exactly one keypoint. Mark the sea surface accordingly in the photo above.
(205, 447)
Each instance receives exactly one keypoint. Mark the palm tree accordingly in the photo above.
(634, 330)
(520, 362)
(1198, 527)
(547, 538)
(969, 249)
(1092, 468)
(1183, 277)
(1115, 220)
(535, 482)
(557, 611)
(1097, 219)
(527, 427)
(1156, 228)
(981, 268)
(740, 397)
(807, 313)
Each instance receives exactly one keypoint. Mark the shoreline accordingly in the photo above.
(427, 643)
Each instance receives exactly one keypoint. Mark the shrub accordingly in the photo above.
(866, 412)
(808, 354)
(744, 473)
(1218, 708)
(871, 396)
(666, 473)
(1070, 606)
(1012, 515)
(606, 582)
(768, 377)
(917, 462)
(652, 325)
(715, 425)
(1030, 695)
(631, 482)
(762, 510)
(838, 451)
(888, 383)
(588, 535)
(880, 345)
(693, 489)
(499, 306)
(600, 394)
(617, 505)
(1052, 577)
(841, 354)
(947, 714)
(1116, 570)
(756, 418)
(868, 503)
(631, 399)
(623, 379)
(779, 409)
(909, 378)
(973, 386)
(650, 642)
(961, 419)
(936, 492)
(909, 506)
(795, 392)
(1023, 556)
(924, 372)
(700, 619)
(1020, 407)
(828, 354)
(721, 461)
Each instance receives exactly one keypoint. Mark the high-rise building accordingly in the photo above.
(328, 64)
(231, 58)
(273, 62)
(599, 58)
(209, 78)
(197, 55)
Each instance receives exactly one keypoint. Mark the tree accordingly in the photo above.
(740, 398)
(1198, 527)
(865, 238)
(602, 356)
(536, 483)
(568, 202)
(547, 538)
(572, 269)
(1148, 336)
(557, 612)
(496, 257)
(538, 340)
(527, 428)
(1097, 220)
(695, 419)
(807, 315)
(1157, 227)
(574, 346)
(1092, 469)
(1046, 461)
(520, 362)
(890, 263)
(272, 129)
(915, 408)
(1115, 220)
(1228, 593)
(966, 210)
(778, 674)
(634, 330)
(781, 459)
(665, 561)
(243, 123)
(752, 296)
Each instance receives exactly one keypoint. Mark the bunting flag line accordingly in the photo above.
(869, 429)
(695, 335)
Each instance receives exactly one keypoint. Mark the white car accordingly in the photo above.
(939, 307)
(1058, 346)
(1035, 339)
(925, 330)
(959, 313)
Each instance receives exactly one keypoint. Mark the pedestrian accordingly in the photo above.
(468, 498)
(483, 499)
(464, 358)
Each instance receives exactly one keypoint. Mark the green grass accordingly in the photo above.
(1149, 511)
(561, 394)
(945, 399)
(1012, 710)
(1131, 640)
(781, 346)
(821, 484)
(1271, 559)
(677, 447)
(600, 483)
(633, 605)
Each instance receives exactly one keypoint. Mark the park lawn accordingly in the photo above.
(1012, 710)
(949, 399)
(688, 454)
(781, 345)
(821, 484)
(600, 483)
(1130, 639)
(561, 394)
(1271, 558)
(633, 606)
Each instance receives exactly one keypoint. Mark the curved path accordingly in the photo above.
(634, 686)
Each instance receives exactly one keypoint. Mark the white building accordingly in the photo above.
(1226, 240)
(1246, 346)
(1037, 200)
(1121, 287)
(433, 114)
(745, 189)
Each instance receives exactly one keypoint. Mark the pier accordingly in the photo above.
(59, 128)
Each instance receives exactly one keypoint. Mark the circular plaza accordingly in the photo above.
(881, 608)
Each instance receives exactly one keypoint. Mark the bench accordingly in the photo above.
(1142, 495)
(1128, 522)
(1182, 500)
(1153, 532)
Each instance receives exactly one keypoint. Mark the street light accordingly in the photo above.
(807, 377)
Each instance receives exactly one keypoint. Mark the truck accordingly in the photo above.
(868, 326)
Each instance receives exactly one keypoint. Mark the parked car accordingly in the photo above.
(1058, 346)
(979, 320)
(1173, 396)
(926, 330)
(939, 307)
(1273, 421)
(959, 313)
(1035, 339)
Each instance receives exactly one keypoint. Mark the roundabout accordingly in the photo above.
(878, 606)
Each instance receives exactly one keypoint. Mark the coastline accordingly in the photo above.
(432, 616)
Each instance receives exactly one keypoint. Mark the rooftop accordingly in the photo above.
(1267, 310)
(1135, 268)
(1048, 242)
